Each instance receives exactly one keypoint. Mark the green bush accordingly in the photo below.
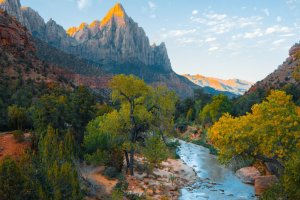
(122, 184)
(111, 172)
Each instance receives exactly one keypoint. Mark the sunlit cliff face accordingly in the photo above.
(117, 13)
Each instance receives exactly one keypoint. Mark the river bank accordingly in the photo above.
(165, 182)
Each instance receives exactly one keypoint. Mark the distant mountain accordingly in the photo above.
(235, 86)
(286, 76)
(116, 43)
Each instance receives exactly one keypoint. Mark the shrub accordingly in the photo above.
(155, 151)
(111, 172)
(122, 184)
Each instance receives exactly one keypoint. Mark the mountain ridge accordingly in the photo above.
(284, 75)
(235, 86)
(116, 47)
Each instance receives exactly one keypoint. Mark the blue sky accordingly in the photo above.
(244, 39)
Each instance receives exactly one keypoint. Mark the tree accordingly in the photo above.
(12, 182)
(142, 109)
(131, 92)
(80, 110)
(270, 133)
(16, 117)
(3, 115)
(214, 110)
(50, 110)
(56, 157)
(155, 151)
(296, 73)
(105, 138)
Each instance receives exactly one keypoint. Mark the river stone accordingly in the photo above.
(262, 183)
(247, 174)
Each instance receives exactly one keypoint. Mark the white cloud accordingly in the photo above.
(195, 12)
(277, 29)
(83, 4)
(218, 17)
(190, 40)
(215, 48)
(267, 12)
(288, 35)
(277, 42)
(256, 33)
(237, 36)
(179, 33)
(210, 39)
(222, 23)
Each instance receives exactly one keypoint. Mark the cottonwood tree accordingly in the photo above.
(143, 109)
(271, 132)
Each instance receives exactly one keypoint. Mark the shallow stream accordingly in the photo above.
(215, 182)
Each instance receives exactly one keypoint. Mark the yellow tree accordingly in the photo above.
(271, 132)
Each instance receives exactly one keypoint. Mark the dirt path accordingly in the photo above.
(10, 147)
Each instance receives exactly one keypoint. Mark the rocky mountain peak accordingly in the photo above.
(13, 8)
(116, 43)
(116, 13)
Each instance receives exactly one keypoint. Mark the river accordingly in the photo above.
(215, 182)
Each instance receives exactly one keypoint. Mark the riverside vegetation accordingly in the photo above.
(72, 126)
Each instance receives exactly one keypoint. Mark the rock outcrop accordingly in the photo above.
(116, 43)
(116, 40)
(262, 183)
(247, 174)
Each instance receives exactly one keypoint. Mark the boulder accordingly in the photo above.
(262, 183)
(247, 174)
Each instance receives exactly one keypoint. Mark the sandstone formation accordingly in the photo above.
(247, 174)
(262, 183)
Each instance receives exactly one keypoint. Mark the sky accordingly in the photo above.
(245, 39)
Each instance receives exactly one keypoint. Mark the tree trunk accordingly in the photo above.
(127, 159)
(164, 138)
(131, 161)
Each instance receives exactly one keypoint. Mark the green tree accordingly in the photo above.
(142, 109)
(3, 115)
(12, 182)
(155, 151)
(16, 117)
(214, 110)
(104, 139)
(80, 110)
(56, 157)
(50, 110)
